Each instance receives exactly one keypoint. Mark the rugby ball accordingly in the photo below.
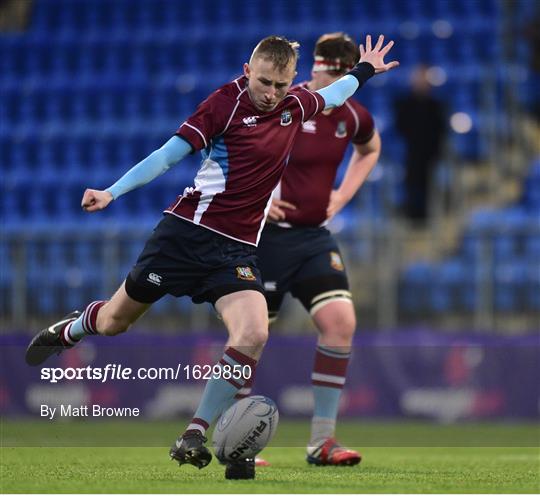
(245, 429)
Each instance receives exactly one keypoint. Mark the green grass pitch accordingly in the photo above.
(104, 457)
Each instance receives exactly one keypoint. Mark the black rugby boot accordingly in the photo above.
(190, 448)
(48, 341)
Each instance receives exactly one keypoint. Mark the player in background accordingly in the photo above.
(297, 254)
(205, 245)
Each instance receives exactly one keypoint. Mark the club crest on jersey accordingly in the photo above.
(286, 118)
(335, 261)
(309, 127)
(245, 273)
(341, 130)
(250, 121)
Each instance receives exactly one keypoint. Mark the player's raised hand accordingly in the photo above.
(94, 200)
(277, 212)
(375, 56)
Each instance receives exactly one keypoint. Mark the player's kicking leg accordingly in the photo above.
(100, 317)
(244, 314)
(336, 322)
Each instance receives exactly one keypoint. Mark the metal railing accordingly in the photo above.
(45, 274)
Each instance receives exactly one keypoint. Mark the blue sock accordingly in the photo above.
(83, 326)
(326, 401)
(323, 422)
(219, 393)
(328, 378)
(242, 393)
(76, 331)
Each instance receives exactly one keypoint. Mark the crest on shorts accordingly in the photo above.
(245, 273)
(341, 130)
(335, 261)
(286, 118)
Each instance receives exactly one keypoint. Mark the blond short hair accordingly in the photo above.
(278, 50)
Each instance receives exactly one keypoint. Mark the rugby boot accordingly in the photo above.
(48, 341)
(331, 453)
(190, 448)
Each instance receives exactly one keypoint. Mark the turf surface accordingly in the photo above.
(33, 460)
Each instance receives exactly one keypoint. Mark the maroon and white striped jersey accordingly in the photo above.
(244, 154)
(317, 152)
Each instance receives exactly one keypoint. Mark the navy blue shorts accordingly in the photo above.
(183, 259)
(303, 260)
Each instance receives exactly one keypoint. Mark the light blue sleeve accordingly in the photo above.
(336, 93)
(151, 167)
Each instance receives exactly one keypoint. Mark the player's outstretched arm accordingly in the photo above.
(371, 63)
(145, 171)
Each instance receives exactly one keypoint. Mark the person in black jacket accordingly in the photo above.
(420, 120)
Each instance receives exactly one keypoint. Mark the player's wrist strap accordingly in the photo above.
(362, 72)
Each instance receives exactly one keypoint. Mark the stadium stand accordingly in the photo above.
(92, 86)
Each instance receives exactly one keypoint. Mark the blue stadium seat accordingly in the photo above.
(6, 277)
(453, 286)
(531, 194)
(415, 285)
(510, 285)
(482, 220)
(532, 298)
(532, 247)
